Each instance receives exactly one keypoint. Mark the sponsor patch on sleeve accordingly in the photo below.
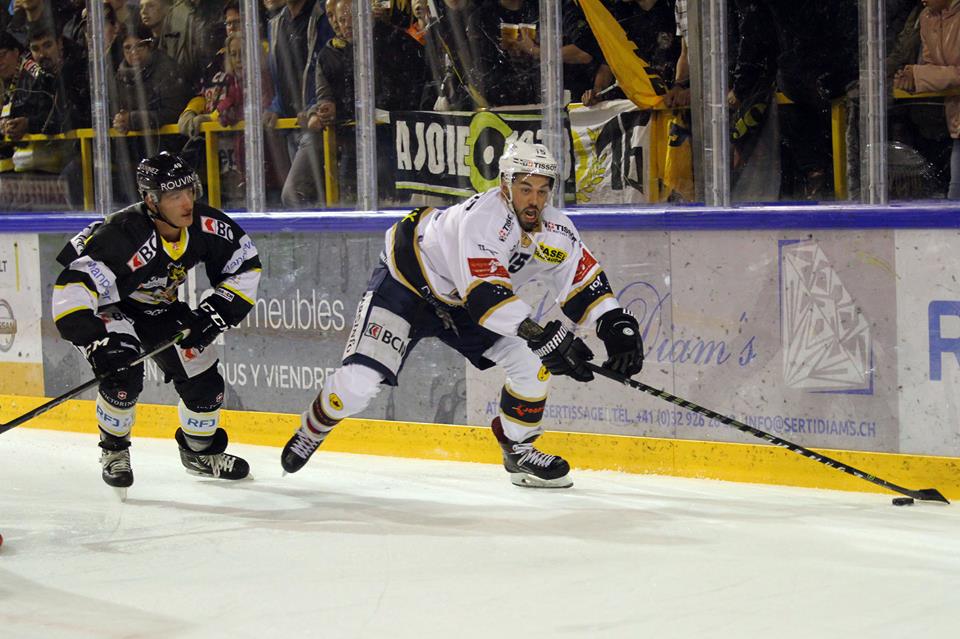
(587, 262)
(486, 267)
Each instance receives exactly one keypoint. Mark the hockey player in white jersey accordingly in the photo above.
(452, 274)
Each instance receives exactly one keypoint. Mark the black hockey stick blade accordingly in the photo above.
(929, 494)
(56, 401)
(926, 494)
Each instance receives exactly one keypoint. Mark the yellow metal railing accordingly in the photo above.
(210, 131)
(838, 127)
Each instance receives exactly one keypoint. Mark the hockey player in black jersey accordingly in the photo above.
(117, 298)
(451, 274)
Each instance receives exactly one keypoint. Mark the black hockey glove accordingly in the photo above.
(561, 352)
(620, 333)
(205, 323)
(111, 356)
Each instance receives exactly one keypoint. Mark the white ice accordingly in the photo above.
(357, 546)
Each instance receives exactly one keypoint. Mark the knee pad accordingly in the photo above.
(349, 390)
(113, 420)
(122, 391)
(203, 393)
(526, 376)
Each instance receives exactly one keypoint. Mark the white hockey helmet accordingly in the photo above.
(524, 157)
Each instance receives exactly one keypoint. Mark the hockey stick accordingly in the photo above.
(53, 403)
(926, 494)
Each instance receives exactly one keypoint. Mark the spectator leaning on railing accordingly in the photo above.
(212, 81)
(939, 70)
(149, 91)
(150, 87)
(334, 93)
(54, 98)
(294, 35)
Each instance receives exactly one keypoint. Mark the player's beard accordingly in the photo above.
(528, 223)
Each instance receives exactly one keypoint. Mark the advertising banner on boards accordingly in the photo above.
(928, 316)
(277, 359)
(21, 366)
(791, 333)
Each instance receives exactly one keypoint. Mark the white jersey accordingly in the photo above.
(475, 254)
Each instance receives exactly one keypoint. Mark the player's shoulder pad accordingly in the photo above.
(214, 223)
(128, 226)
(114, 240)
(489, 218)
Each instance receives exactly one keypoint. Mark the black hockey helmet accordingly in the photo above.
(165, 172)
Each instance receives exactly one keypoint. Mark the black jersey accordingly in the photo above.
(124, 263)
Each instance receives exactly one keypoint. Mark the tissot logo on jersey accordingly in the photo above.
(505, 229)
(383, 335)
(216, 227)
(486, 267)
(553, 227)
(144, 254)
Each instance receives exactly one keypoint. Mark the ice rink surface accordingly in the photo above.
(357, 546)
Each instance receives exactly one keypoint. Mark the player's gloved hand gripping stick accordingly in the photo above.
(97, 361)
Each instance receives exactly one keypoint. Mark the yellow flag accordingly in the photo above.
(636, 78)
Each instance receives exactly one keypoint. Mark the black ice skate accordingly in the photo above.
(529, 467)
(212, 461)
(314, 428)
(115, 460)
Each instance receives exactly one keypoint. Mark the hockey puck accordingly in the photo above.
(903, 501)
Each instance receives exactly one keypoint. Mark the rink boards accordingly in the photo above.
(834, 339)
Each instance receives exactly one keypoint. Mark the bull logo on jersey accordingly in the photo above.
(177, 273)
(144, 254)
(216, 227)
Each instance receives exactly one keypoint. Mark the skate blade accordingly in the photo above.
(531, 481)
(121, 493)
(197, 473)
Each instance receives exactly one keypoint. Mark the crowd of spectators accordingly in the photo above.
(180, 62)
